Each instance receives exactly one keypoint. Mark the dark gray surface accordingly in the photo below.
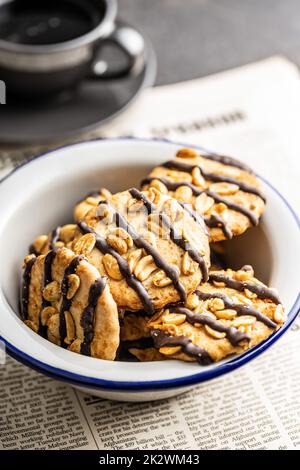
(194, 38)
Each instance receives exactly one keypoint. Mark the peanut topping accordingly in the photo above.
(161, 280)
(197, 178)
(203, 203)
(51, 292)
(159, 186)
(184, 194)
(189, 266)
(46, 313)
(174, 318)
(73, 283)
(112, 268)
(215, 334)
(133, 258)
(70, 328)
(224, 189)
(186, 153)
(117, 243)
(144, 268)
(85, 244)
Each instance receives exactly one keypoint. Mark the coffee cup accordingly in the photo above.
(51, 46)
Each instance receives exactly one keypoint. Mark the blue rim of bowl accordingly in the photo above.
(203, 375)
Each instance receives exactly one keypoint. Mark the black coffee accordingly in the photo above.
(40, 22)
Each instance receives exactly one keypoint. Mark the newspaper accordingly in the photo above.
(251, 112)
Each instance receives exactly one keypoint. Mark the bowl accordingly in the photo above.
(40, 194)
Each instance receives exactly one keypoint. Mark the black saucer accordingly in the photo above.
(94, 104)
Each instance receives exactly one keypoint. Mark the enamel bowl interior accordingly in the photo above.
(40, 195)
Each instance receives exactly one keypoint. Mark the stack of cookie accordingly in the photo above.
(131, 278)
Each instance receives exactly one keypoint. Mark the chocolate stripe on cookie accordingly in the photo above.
(66, 303)
(25, 288)
(181, 166)
(162, 339)
(172, 186)
(233, 334)
(130, 278)
(87, 319)
(174, 235)
(263, 292)
(49, 258)
(240, 309)
(140, 242)
(216, 221)
(54, 237)
(194, 214)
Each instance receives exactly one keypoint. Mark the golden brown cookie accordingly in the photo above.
(221, 189)
(229, 314)
(149, 246)
(91, 200)
(64, 299)
(59, 237)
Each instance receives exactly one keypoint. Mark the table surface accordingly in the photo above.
(194, 38)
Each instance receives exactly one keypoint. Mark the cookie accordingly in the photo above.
(136, 340)
(150, 248)
(64, 299)
(59, 237)
(221, 189)
(229, 314)
(91, 200)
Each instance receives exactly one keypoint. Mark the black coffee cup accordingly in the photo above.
(48, 46)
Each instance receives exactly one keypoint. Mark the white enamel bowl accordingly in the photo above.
(40, 195)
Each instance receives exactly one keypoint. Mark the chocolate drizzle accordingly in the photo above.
(25, 288)
(194, 214)
(185, 167)
(174, 235)
(216, 221)
(140, 242)
(54, 237)
(66, 303)
(233, 334)
(49, 258)
(131, 280)
(241, 309)
(172, 186)
(87, 319)
(162, 339)
(262, 292)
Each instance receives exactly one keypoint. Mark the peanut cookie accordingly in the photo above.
(136, 340)
(229, 314)
(221, 189)
(65, 300)
(59, 237)
(152, 250)
(91, 200)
